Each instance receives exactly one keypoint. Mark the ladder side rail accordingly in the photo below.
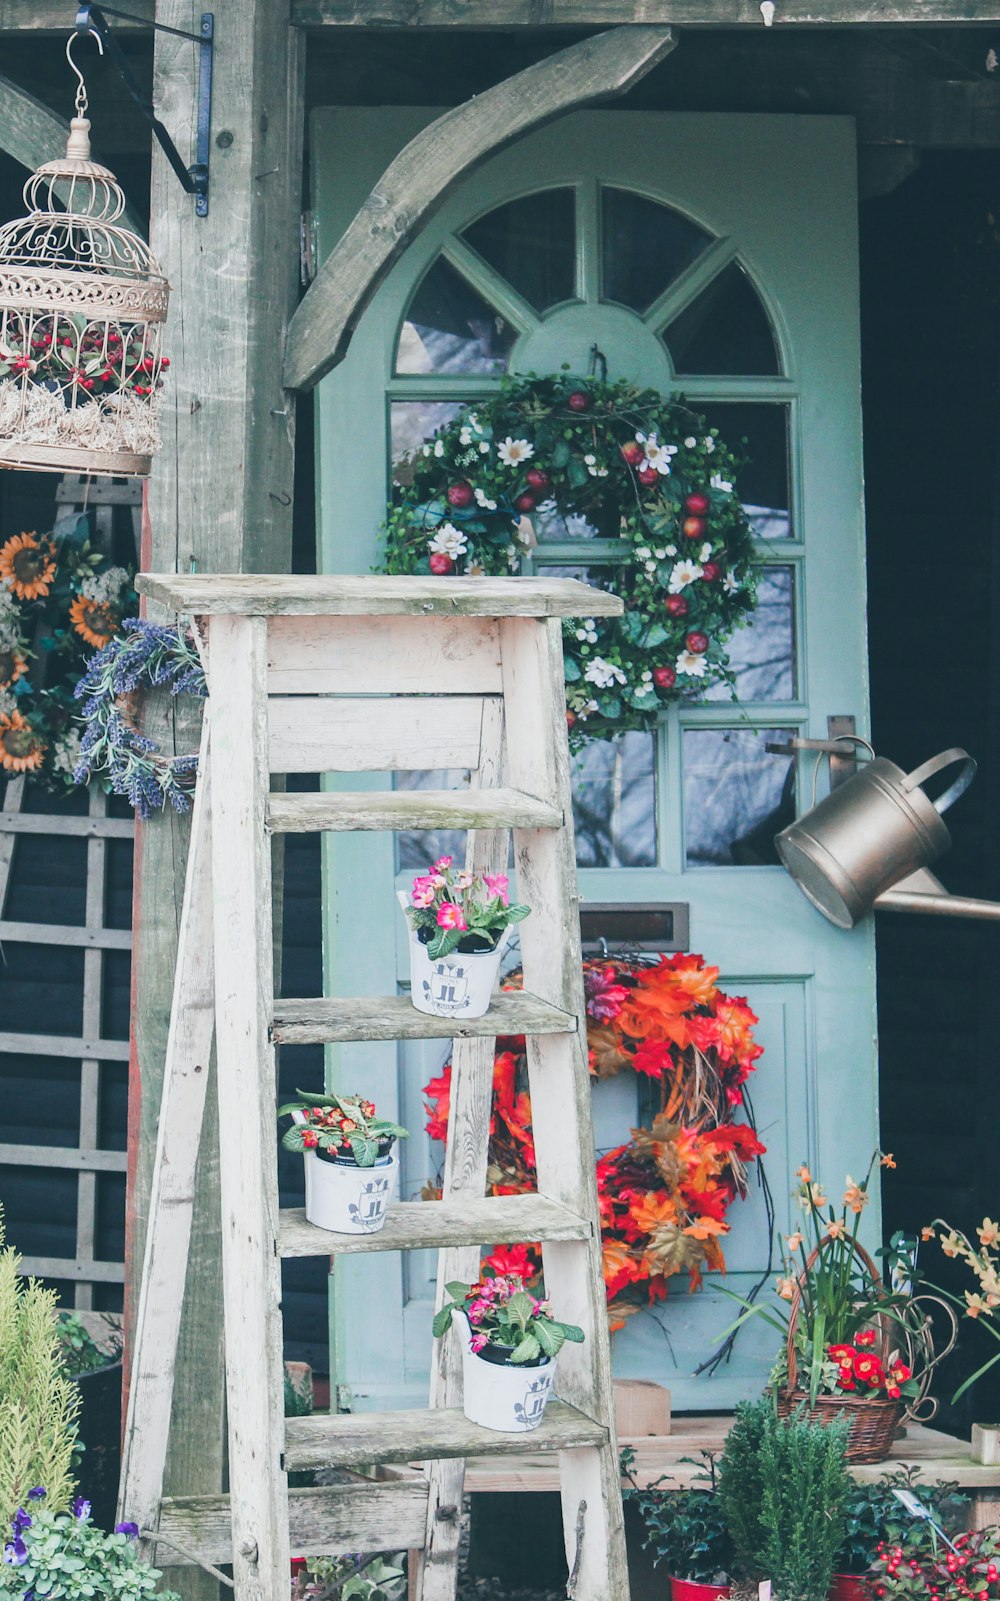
(559, 1079)
(171, 1203)
(465, 1163)
(244, 999)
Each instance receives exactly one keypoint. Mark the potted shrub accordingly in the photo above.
(688, 1535)
(876, 1518)
(64, 1554)
(352, 1169)
(510, 1341)
(784, 1486)
(460, 922)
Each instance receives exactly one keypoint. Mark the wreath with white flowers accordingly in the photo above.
(560, 457)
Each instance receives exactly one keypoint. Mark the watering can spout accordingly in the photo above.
(922, 892)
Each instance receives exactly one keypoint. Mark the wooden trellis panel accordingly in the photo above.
(87, 1159)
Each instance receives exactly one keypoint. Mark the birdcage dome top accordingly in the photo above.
(70, 250)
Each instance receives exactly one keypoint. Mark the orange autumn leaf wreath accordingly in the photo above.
(664, 1195)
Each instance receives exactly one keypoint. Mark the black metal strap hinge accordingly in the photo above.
(90, 19)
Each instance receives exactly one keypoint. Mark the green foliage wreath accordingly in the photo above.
(583, 456)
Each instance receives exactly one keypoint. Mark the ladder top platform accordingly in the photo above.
(349, 595)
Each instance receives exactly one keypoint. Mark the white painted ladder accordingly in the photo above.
(342, 675)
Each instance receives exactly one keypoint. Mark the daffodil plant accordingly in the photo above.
(982, 1303)
(842, 1309)
(454, 910)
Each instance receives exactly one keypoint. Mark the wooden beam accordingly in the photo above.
(714, 14)
(220, 499)
(427, 170)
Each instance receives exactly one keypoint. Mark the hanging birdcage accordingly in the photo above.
(82, 304)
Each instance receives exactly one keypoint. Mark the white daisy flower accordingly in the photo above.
(691, 663)
(671, 550)
(705, 552)
(690, 442)
(465, 437)
(708, 442)
(650, 567)
(483, 499)
(681, 574)
(657, 455)
(590, 461)
(647, 676)
(448, 541)
(730, 583)
(439, 447)
(513, 451)
(484, 447)
(718, 482)
(604, 674)
(661, 554)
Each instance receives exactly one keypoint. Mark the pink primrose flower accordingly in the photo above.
(498, 884)
(450, 916)
(477, 1311)
(477, 1342)
(443, 862)
(422, 893)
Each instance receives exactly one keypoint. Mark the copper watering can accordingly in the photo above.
(869, 843)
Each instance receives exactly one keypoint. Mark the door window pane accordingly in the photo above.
(614, 802)
(762, 655)
(761, 430)
(644, 247)
(411, 422)
(725, 330)
(736, 796)
(531, 242)
(451, 328)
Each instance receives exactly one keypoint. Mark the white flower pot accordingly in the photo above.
(347, 1199)
(458, 985)
(498, 1396)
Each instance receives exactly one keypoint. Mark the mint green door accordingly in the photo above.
(714, 255)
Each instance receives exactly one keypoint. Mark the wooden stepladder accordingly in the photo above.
(342, 675)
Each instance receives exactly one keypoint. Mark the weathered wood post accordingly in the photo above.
(220, 501)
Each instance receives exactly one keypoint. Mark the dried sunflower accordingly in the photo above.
(21, 750)
(28, 565)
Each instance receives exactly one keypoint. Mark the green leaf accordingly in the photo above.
(560, 453)
(655, 635)
(549, 1335)
(442, 1322)
(521, 1308)
(571, 669)
(517, 913)
(365, 1150)
(291, 1140)
(457, 1290)
(577, 475)
(527, 1351)
(444, 942)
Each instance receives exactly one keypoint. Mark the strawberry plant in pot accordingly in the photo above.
(510, 1341)
(350, 1162)
(460, 922)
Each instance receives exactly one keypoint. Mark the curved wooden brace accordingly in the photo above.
(420, 177)
(33, 134)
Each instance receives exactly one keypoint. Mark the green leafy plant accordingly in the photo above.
(503, 1314)
(804, 1485)
(62, 1554)
(925, 1567)
(741, 1488)
(875, 1516)
(81, 1353)
(351, 1578)
(345, 1125)
(39, 1402)
(454, 910)
(685, 1529)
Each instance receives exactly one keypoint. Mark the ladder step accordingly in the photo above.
(322, 1522)
(433, 1225)
(410, 808)
(354, 1439)
(393, 1017)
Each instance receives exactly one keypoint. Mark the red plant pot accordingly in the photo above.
(688, 1590)
(848, 1587)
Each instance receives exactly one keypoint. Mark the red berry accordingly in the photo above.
(537, 479)
(633, 452)
(693, 527)
(460, 494)
(697, 643)
(440, 563)
(664, 677)
(524, 503)
(711, 571)
(647, 475)
(165, 362)
(676, 606)
(697, 505)
(579, 400)
(106, 374)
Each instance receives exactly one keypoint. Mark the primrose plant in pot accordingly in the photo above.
(460, 923)
(510, 1342)
(352, 1167)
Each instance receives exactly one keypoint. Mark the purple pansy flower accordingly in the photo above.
(81, 1509)
(131, 1529)
(37, 1494)
(20, 1520)
(16, 1553)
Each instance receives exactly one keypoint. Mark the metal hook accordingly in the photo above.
(81, 93)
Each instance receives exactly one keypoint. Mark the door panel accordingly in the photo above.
(723, 249)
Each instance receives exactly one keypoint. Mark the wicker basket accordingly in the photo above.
(873, 1420)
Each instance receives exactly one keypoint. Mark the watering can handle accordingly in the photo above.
(934, 765)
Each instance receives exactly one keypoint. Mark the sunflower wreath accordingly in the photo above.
(563, 457)
(665, 1194)
(60, 598)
